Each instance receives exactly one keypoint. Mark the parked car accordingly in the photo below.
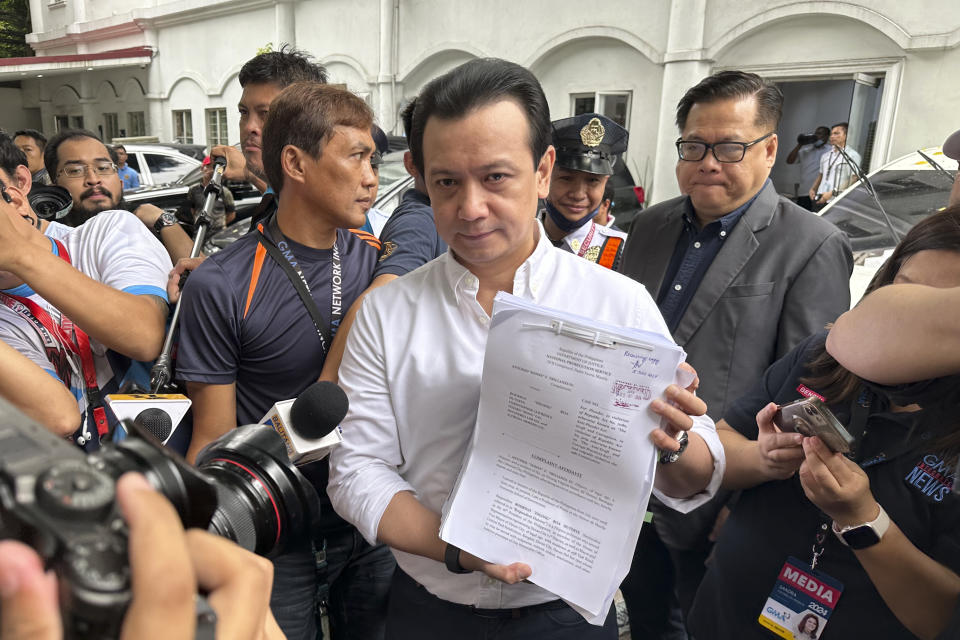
(171, 196)
(909, 188)
(159, 163)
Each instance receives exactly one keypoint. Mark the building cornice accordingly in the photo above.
(139, 20)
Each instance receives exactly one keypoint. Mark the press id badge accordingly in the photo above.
(801, 602)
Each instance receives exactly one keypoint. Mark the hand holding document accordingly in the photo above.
(561, 465)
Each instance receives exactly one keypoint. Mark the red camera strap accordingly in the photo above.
(71, 338)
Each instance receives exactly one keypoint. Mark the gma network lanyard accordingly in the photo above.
(283, 256)
(62, 338)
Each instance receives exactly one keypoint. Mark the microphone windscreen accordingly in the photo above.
(951, 146)
(156, 421)
(318, 410)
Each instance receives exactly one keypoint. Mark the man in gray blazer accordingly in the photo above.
(740, 274)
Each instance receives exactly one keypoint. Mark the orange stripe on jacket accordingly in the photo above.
(255, 276)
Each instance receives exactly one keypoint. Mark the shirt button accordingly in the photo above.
(677, 287)
(723, 234)
(696, 245)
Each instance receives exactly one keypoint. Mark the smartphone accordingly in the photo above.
(810, 417)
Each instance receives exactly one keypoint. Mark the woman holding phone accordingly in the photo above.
(869, 541)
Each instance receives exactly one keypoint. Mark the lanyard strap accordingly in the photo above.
(586, 241)
(288, 262)
(64, 337)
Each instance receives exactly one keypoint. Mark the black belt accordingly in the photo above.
(518, 612)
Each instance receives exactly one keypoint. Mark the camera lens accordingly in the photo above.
(263, 503)
(243, 488)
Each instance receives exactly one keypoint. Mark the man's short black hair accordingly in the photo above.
(476, 84)
(727, 85)
(406, 116)
(10, 156)
(117, 147)
(40, 139)
(282, 68)
(844, 125)
(50, 157)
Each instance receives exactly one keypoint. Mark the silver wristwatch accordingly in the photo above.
(669, 457)
(166, 219)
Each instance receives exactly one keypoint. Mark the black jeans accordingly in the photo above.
(416, 614)
(357, 580)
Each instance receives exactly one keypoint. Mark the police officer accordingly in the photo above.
(588, 146)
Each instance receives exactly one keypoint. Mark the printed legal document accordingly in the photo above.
(561, 465)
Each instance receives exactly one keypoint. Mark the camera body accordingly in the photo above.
(62, 502)
(807, 138)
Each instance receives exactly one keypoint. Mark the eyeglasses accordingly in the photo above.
(79, 170)
(727, 152)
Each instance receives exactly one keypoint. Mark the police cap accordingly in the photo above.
(589, 142)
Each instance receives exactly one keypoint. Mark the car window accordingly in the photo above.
(391, 173)
(165, 169)
(133, 161)
(907, 195)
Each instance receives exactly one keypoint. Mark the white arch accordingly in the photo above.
(137, 83)
(226, 78)
(184, 76)
(351, 62)
(429, 54)
(872, 18)
(110, 84)
(581, 33)
(70, 90)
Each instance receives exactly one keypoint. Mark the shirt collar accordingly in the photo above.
(727, 221)
(527, 281)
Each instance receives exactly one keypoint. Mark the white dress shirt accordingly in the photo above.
(412, 371)
(835, 169)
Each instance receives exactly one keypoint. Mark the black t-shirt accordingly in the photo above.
(775, 520)
(265, 342)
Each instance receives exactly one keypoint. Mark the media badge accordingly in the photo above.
(801, 602)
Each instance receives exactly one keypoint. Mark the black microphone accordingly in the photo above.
(308, 424)
(156, 421)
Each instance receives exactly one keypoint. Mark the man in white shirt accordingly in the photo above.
(836, 172)
(69, 296)
(412, 368)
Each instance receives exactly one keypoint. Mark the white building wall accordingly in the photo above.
(386, 51)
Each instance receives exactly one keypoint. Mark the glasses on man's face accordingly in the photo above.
(727, 152)
(79, 170)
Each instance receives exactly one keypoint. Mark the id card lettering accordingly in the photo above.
(801, 602)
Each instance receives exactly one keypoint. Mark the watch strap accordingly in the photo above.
(166, 219)
(861, 536)
(451, 558)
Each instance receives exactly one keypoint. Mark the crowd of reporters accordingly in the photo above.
(86, 299)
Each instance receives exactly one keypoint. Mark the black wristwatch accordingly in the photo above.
(669, 457)
(451, 558)
(166, 219)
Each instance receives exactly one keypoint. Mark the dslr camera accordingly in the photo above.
(62, 502)
(807, 138)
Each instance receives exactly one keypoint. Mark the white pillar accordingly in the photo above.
(386, 106)
(286, 31)
(157, 124)
(683, 66)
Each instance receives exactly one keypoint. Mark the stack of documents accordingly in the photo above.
(561, 465)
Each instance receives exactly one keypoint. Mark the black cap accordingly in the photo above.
(383, 145)
(589, 142)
